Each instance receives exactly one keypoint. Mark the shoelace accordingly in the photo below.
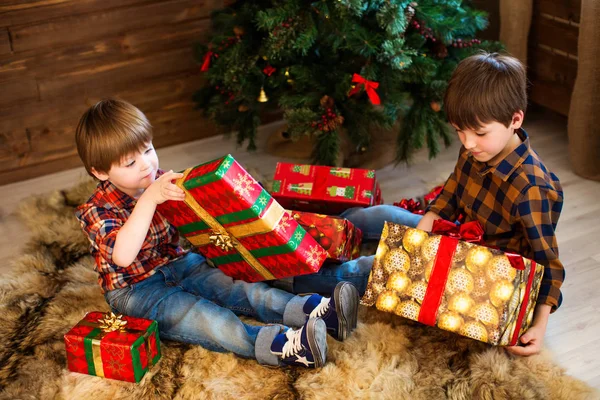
(320, 309)
(293, 344)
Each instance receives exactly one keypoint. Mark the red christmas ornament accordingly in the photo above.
(325, 242)
(314, 232)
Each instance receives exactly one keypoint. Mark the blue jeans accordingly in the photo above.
(195, 303)
(370, 220)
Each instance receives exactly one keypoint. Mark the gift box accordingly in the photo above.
(112, 346)
(238, 226)
(338, 236)
(323, 189)
(446, 279)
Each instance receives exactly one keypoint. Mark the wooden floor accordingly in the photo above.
(572, 332)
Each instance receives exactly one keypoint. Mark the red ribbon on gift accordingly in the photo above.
(429, 197)
(451, 233)
(369, 86)
(207, 58)
(410, 205)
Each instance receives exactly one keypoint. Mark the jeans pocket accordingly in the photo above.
(117, 299)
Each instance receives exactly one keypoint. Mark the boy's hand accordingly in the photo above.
(534, 337)
(163, 189)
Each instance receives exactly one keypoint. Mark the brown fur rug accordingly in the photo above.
(54, 284)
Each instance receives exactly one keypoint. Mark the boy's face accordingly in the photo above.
(492, 141)
(134, 173)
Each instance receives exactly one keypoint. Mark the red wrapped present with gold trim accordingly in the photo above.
(450, 280)
(112, 346)
(338, 236)
(323, 189)
(238, 226)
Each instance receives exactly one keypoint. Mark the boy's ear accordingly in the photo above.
(517, 119)
(101, 176)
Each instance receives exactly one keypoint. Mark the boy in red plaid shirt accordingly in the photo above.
(499, 180)
(144, 273)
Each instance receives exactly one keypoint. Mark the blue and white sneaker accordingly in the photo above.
(340, 311)
(304, 347)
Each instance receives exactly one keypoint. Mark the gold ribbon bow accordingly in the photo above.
(221, 239)
(112, 322)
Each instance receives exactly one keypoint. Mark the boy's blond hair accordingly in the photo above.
(485, 88)
(108, 131)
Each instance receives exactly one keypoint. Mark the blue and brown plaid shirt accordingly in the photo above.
(518, 203)
(102, 216)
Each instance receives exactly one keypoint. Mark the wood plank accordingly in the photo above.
(565, 9)
(22, 12)
(18, 91)
(149, 94)
(554, 34)
(548, 94)
(115, 76)
(56, 33)
(5, 47)
(13, 143)
(551, 67)
(108, 50)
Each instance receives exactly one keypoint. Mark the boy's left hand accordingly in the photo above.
(532, 340)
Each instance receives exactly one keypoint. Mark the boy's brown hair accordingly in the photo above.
(485, 88)
(108, 131)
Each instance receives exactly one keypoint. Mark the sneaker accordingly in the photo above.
(339, 312)
(304, 347)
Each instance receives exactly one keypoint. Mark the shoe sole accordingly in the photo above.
(346, 323)
(317, 352)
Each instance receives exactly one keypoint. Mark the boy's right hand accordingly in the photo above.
(164, 189)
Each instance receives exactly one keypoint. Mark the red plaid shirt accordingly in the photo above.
(518, 202)
(102, 216)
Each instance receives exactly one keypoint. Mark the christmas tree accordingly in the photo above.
(336, 65)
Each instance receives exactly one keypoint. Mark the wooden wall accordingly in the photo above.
(552, 54)
(57, 57)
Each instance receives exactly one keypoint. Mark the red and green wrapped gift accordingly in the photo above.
(338, 236)
(112, 346)
(238, 226)
(323, 189)
(447, 278)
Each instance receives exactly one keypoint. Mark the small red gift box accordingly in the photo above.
(238, 226)
(338, 236)
(324, 189)
(113, 347)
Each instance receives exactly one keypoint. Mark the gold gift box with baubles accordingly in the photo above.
(462, 287)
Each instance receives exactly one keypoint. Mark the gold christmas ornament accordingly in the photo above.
(500, 268)
(378, 275)
(369, 297)
(408, 309)
(238, 30)
(480, 290)
(450, 321)
(417, 267)
(382, 250)
(398, 281)
(262, 97)
(501, 292)
(435, 106)
(461, 252)
(413, 239)
(474, 330)
(396, 230)
(460, 280)
(417, 291)
(477, 258)
(461, 303)
(428, 269)
(430, 247)
(486, 314)
(387, 301)
(243, 108)
(378, 287)
(396, 260)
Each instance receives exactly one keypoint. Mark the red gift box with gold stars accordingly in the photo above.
(329, 190)
(338, 236)
(238, 226)
(112, 346)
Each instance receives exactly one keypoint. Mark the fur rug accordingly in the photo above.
(54, 284)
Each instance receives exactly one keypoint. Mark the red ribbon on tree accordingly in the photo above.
(370, 87)
(269, 70)
(410, 205)
(207, 58)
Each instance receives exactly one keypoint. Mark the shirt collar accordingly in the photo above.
(115, 197)
(511, 162)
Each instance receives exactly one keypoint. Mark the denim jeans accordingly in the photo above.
(370, 220)
(195, 303)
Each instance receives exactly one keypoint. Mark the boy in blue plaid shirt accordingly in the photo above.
(499, 180)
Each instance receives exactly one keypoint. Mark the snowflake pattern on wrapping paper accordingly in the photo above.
(226, 164)
(340, 250)
(284, 224)
(263, 201)
(243, 185)
(115, 366)
(298, 236)
(313, 256)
